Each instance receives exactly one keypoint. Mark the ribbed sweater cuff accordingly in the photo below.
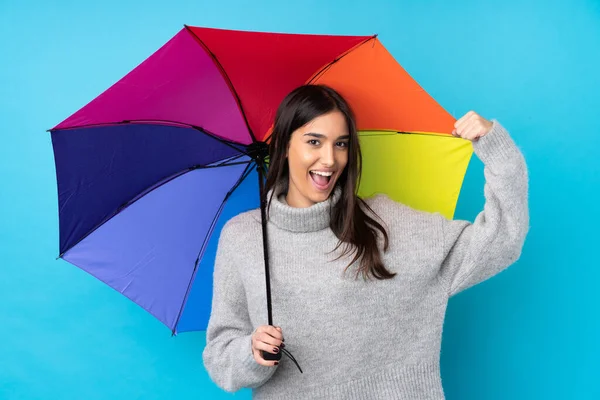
(496, 146)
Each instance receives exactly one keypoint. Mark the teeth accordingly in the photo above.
(322, 173)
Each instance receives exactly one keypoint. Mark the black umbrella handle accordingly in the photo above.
(270, 356)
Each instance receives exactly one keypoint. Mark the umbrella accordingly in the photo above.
(149, 170)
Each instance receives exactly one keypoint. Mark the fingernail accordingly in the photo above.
(276, 362)
(275, 349)
(283, 345)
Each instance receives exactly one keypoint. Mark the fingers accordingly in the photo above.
(269, 338)
(266, 338)
(472, 132)
(471, 126)
(273, 331)
(269, 348)
(459, 125)
(261, 361)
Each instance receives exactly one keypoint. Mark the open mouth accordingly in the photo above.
(321, 180)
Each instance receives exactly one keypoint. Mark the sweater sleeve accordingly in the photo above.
(228, 355)
(474, 252)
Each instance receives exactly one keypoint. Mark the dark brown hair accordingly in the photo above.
(349, 222)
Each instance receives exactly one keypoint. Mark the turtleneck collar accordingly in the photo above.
(297, 219)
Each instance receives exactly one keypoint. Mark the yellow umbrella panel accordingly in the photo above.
(424, 171)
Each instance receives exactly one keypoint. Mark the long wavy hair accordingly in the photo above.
(349, 221)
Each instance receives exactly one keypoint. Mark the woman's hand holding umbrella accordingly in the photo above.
(471, 126)
(267, 341)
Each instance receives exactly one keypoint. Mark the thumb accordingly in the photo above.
(278, 328)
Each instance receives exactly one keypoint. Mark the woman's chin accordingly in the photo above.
(318, 196)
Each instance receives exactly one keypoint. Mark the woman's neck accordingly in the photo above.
(301, 219)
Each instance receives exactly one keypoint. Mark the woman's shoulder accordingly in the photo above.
(240, 229)
(244, 222)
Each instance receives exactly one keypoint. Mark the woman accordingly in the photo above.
(378, 337)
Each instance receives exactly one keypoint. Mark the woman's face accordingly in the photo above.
(317, 155)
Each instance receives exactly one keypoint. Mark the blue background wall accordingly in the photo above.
(530, 333)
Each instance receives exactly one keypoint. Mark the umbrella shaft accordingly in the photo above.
(263, 211)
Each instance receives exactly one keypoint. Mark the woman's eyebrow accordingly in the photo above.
(321, 136)
(317, 135)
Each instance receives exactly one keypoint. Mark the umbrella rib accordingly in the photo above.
(224, 163)
(221, 164)
(148, 190)
(327, 66)
(363, 133)
(227, 79)
(151, 121)
(245, 174)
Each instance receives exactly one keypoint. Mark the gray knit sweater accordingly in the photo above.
(355, 338)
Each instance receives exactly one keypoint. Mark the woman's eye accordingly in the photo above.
(342, 144)
(313, 142)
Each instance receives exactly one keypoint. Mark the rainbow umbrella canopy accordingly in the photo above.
(150, 170)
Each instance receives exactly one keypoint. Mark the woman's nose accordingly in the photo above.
(327, 156)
